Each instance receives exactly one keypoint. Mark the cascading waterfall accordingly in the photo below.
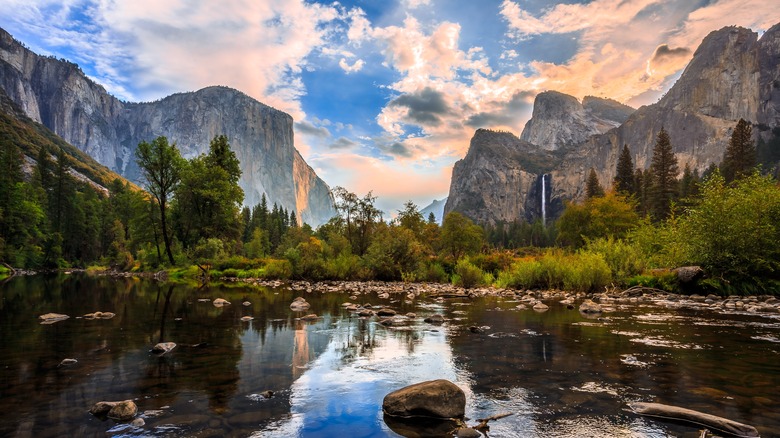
(544, 204)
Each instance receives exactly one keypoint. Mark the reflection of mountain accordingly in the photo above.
(301, 353)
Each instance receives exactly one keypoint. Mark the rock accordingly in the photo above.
(541, 307)
(475, 329)
(689, 274)
(246, 304)
(123, 411)
(309, 317)
(246, 318)
(101, 409)
(435, 398)
(299, 304)
(138, 422)
(366, 313)
(163, 347)
(411, 315)
(68, 362)
(51, 318)
(588, 306)
(383, 296)
(267, 393)
(387, 322)
(219, 302)
(386, 312)
(468, 432)
(434, 319)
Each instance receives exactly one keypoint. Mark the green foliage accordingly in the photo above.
(460, 236)
(739, 159)
(277, 269)
(432, 272)
(663, 182)
(612, 215)
(593, 187)
(624, 173)
(582, 271)
(467, 275)
(656, 279)
(623, 258)
(519, 234)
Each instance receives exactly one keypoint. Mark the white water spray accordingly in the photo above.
(544, 204)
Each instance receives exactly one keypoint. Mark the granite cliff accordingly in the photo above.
(57, 94)
(560, 120)
(733, 74)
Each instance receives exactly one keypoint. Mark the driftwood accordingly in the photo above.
(690, 416)
(639, 290)
(483, 422)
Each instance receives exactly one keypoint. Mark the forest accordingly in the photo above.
(189, 220)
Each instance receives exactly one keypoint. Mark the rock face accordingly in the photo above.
(60, 96)
(435, 398)
(560, 120)
(437, 208)
(733, 74)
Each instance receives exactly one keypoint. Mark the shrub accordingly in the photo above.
(468, 275)
(524, 274)
(624, 259)
(277, 269)
(432, 272)
(586, 272)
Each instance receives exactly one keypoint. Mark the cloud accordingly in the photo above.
(260, 48)
(425, 106)
(355, 67)
(308, 128)
(343, 143)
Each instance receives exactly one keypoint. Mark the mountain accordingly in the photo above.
(733, 74)
(30, 137)
(437, 208)
(560, 120)
(57, 94)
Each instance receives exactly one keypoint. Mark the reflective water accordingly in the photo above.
(558, 373)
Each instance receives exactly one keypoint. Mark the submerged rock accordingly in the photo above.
(163, 347)
(121, 410)
(51, 318)
(309, 317)
(99, 315)
(435, 398)
(68, 362)
(219, 302)
(434, 319)
(246, 318)
(299, 304)
(541, 307)
(588, 306)
(385, 311)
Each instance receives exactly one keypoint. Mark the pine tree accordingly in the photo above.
(593, 187)
(624, 173)
(740, 156)
(639, 189)
(664, 170)
(686, 182)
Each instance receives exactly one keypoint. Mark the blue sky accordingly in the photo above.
(386, 94)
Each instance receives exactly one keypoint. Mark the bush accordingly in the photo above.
(277, 269)
(583, 271)
(624, 259)
(587, 272)
(344, 267)
(525, 274)
(432, 272)
(468, 275)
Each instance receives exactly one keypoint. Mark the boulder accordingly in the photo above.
(541, 307)
(689, 274)
(102, 408)
(163, 347)
(435, 398)
(299, 304)
(588, 306)
(386, 312)
(123, 411)
(219, 302)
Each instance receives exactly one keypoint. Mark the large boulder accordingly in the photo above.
(689, 274)
(121, 410)
(436, 398)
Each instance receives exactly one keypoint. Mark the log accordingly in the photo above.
(690, 416)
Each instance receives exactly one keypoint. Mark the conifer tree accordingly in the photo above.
(664, 170)
(740, 155)
(624, 173)
(593, 187)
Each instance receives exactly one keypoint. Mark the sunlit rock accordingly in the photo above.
(436, 398)
(51, 318)
(163, 347)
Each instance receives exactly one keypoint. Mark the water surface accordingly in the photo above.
(559, 373)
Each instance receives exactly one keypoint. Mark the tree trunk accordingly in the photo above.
(166, 238)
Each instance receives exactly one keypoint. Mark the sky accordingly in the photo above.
(385, 94)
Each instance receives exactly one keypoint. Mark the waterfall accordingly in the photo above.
(544, 204)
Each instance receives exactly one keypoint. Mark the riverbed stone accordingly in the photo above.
(299, 304)
(309, 317)
(101, 408)
(68, 362)
(219, 302)
(385, 311)
(163, 347)
(588, 306)
(434, 319)
(541, 307)
(468, 432)
(51, 318)
(435, 398)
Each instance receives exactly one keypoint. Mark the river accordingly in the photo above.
(559, 373)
